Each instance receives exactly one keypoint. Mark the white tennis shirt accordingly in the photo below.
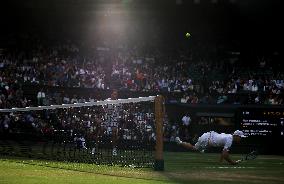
(214, 139)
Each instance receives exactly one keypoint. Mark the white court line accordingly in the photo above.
(226, 167)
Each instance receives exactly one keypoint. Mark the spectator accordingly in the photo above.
(41, 97)
(186, 121)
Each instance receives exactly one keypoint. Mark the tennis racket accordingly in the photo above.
(251, 156)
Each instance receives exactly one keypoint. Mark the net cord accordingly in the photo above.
(86, 104)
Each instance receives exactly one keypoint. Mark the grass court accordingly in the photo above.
(180, 168)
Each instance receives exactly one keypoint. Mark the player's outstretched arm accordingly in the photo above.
(225, 156)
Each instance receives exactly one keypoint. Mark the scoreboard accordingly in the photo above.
(262, 122)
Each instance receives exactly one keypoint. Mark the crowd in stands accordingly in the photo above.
(127, 68)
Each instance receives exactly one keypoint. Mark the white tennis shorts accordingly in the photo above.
(203, 141)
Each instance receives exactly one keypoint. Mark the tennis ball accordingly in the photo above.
(187, 35)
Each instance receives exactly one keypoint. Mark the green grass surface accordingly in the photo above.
(180, 168)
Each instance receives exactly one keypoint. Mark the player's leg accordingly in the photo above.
(97, 137)
(98, 133)
(114, 139)
(186, 145)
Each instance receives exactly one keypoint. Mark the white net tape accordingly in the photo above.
(86, 104)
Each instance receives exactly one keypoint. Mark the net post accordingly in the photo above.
(159, 116)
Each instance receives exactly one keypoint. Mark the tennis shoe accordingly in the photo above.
(178, 141)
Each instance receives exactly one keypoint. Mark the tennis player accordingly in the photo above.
(112, 120)
(214, 139)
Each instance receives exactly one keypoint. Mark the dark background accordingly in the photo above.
(252, 27)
